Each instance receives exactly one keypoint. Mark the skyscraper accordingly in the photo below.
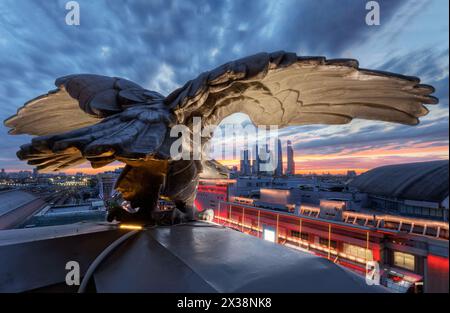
(279, 169)
(253, 168)
(290, 159)
(248, 168)
(242, 163)
(255, 163)
(245, 163)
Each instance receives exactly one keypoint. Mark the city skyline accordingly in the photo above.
(335, 164)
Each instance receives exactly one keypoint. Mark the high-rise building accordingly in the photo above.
(255, 161)
(290, 159)
(245, 163)
(351, 174)
(253, 169)
(279, 169)
(242, 163)
(255, 164)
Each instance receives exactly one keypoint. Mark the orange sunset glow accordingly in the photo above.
(335, 163)
(361, 161)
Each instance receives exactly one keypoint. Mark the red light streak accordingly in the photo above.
(438, 263)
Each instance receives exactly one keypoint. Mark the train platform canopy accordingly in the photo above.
(423, 181)
(12, 199)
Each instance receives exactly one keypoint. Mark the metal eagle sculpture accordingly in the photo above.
(104, 119)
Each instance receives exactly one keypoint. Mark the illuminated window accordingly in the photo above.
(324, 242)
(357, 251)
(404, 260)
(269, 234)
(297, 234)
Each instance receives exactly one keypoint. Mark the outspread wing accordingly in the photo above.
(123, 120)
(80, 100)
(284, 89)
(90, 117)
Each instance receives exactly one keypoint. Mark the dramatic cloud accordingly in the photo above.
(162, 44)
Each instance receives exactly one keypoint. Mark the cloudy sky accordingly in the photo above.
(161, 44)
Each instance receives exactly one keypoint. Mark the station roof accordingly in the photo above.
(12, 199)
(423, 181)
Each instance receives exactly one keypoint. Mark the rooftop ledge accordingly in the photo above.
(192, 257)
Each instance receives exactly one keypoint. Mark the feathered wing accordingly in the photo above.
(284, 89)
(121, 120)
(48, 114)
(90, 117)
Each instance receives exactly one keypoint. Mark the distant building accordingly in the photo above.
(280, 199)
(242, 163)
(245, 168)
(106, 185)
(253, 167)
(255, 163)
(413, 189)
(290, 159)
(279, 169)
(67, 214)
(351, 174)
(16, 206)
(249, 186)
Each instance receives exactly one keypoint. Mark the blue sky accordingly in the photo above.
(162, 44)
